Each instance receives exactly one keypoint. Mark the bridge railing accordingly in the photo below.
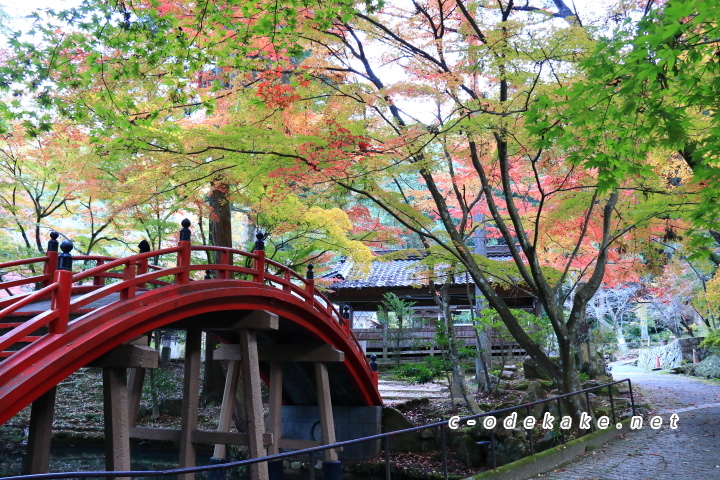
(71, 293)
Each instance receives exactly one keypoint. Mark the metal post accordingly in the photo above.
(562, 434)
(259, 261)
(492, 446)
(275, 469)
(612, 407)
(310, 285)
(386, 447)
(587, 401)
(219, 473)
(143, 247)
(312, 466)
(530, 435)
(332, 470)
(443, 445)
(259, 242)
(65, 258)
(632, 400)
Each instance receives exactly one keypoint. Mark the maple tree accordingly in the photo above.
(653, 83)
(31, 189)
(652, 86)
(166, 131)
(474, 154)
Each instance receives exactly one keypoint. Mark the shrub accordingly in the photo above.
(423, 372)
(711, 340)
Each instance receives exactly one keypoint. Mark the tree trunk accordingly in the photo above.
(622, 346)
(458, 376)
(220, 235)
(482, 337)
(220, 221)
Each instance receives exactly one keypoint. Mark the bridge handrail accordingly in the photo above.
(125, 286)
(308, 293)
(124, 261)
(24, 281)
(14, 335)
(271, 277)
(215, 248)
(25, 261)
(135, 274)
(45, 277)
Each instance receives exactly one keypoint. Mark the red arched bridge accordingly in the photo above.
(265, 316)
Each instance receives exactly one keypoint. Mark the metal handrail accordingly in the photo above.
(295, 453)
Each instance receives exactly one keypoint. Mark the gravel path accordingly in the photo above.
(690, 452)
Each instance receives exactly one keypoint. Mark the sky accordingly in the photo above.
(20, 8)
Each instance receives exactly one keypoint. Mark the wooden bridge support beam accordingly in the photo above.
(327, 424)
(37, 456)
(136, 377)
(228, 402)
(122, 398)
(191, 397)
(117, 425)
(253, 402)
(135, 384)
(275, 414)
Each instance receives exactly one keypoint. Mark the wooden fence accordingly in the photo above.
(418, 343)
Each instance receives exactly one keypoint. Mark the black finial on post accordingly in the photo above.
(208, 274)
(260, 242)
(373, 363)
(185, 231)
(144, 246)
(346, 312)
(310, 274)
(53, 243)
(65, 259)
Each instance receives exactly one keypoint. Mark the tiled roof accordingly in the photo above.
(393, 273)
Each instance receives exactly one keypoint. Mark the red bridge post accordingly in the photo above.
(259, 260)
(128, 274)
(374, 369)
(61, 297)
(310, 286)
(52, 254)
(99, 281)
(224, 260)
(183, 257)
(143, 247)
